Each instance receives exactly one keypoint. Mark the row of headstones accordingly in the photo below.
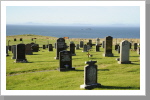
(21, 39)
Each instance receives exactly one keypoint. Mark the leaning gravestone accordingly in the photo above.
(108, 47)
(124, 52)
(50, 47)
(28, 50)
(14, 51)
(85, 48)
(81, 44)
(35, 47)
(65, 61)
(72, 48)
(20, 53)
(60, 46)
(7, 51)
(90, 76)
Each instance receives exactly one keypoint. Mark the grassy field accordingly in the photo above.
(40, 72)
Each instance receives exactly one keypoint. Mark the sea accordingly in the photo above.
(74, 31)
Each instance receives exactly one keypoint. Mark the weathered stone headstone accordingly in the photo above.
(90, 76)
(60, 46)
(44, 47)
(20, 39)
(97, 48)
(7, 51)
(50, 47)
(35, 47)
(88, 47)
(116, 47)
(124, 52)
(65, 61)
(135, 46)
(28, 50)
(72, 48)
(85, 48)
(15, 39)
(103, 44)
(20, 53)
(97, 41)
(77, 47)
(81, 44)
(14, 51)
(108, 47)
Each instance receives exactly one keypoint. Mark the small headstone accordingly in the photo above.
(50, 47)
(77, 47)
(65, 61)
(14, 51)
(85, 48)
(90, 76)
(72, 48)
(81, 44)
(15, 39)
(7, 51)
(35, 47)
(31, 39)
(28, 50)
(135, 46)
(97, 48)
(97, 41)
(116, 47)
(44, 47)
(124, 52)
(108, 47)
(9, 47)
(20, 53)
(20, 39)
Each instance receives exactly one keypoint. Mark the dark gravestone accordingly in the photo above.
(20, 39)
(97, 48)
(15, 39)
(108, 47)
(135, 46)
(50, 47)
(97, 41)
(65, 61)
(14, 51)
(35, 47)
(130, 45)
(116, 47)
(7, 51)
(72, 48)
(90, 76)
(20, 53)
(28, 50)
(77, 47)
(81, 44)
(90, 43)
(103, 44)
(60, 46)
(44, 47)
(85, 48)
(9, 47)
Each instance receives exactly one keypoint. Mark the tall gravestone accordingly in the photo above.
(72, 48)
(90, 76)
(118, 49)
(50, 47)
(124, 52)
(81, 44)
(7, 51)
(65, 61)
(97, 41)
(85, 48)
(138, 50)
(28, 50)
(60, 46)
(20, 53)
(14, 51)
(108, 47)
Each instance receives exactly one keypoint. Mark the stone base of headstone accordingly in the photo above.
(108, 55)
(21, 61)
(125, 62)
(84, 86)
(56, 57)
(66, 69)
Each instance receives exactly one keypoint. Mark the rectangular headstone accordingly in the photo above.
(44, 47)
(14, 51)
(50, 47)
(77, 47)
(103, 44)
(97, 48)
(28, 50)
(72, 48)
(135, 46)
(35, 47)
(65, 61)
(85, 48)
(90, 76)
(81, 44)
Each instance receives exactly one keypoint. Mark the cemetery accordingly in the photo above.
(36, 62)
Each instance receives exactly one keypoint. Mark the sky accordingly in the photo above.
(74, 15)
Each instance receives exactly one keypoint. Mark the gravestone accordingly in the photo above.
(138, 50)
(81, 44)
(135, 46)
(77, 47)
(85, 48)
(60, 46)
(108, 47)
(28, 50)
(124, 52)
(103, 44)
(7, 51)
(15, 39)
(97, 41)
(20, 39)
(90, 76)
(20, 53)
(44, 47)
(50, 47)
(90, 43)
(72, 48)
(31, 39)
(97, 48)
(35, 47)
(65, 61)
(116, 47)
(14, 51)
(130, 45)
(88, 47)
(9, 47)
(55, 45)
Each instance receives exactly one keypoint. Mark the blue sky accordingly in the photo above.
(74, 15)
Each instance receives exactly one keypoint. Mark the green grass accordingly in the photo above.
(40, 72)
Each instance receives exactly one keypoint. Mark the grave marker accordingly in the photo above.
(97, 41)
(14, 51)
(85, 48)
(72, 48)
(77, 47)
(28, 50)
(97, 48)
(35, 47)
(7, 51)
(50, 47)
(81, 44)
